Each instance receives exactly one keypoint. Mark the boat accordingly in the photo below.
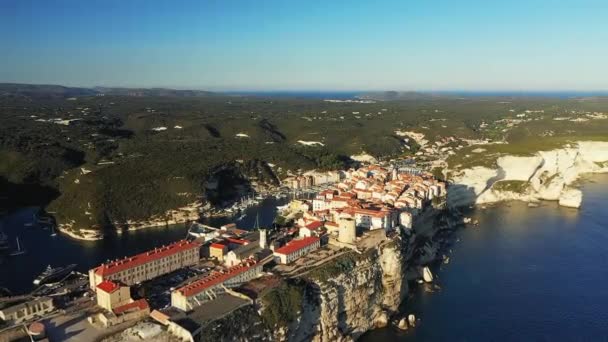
(46, 220)
(54, 233)
(51, 275)
(241, 217)
(19, 250)
(32, 222)
(257, 222)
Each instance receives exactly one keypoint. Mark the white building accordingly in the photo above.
(296, 249)
(311, 229)
(406, 219)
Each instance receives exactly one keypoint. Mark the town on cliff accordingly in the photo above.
(332, 267)
(179, 290)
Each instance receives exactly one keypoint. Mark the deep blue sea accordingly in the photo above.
(17, 273)
(524, 274)
(343, 95)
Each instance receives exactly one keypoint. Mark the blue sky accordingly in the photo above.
(308, 45)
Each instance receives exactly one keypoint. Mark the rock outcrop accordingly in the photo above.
(547, 175)
(351, 294)
(571, 198)
(361, 300)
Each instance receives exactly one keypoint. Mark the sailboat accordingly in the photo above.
(19, 250)
(257, 221)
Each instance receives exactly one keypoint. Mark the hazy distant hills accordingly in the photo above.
(43, 90)
(399, 95)
(152, 92)
(57, 91)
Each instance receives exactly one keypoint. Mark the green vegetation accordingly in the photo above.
(282, 304)
(341, 265)
(520, 187)
(542, 133)
(438, 173)
(137, 172)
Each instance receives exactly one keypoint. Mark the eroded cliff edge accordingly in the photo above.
(545, 175)
(346, 296)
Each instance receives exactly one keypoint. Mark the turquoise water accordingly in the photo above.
(525, 274)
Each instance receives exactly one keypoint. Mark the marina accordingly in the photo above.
(45, 246)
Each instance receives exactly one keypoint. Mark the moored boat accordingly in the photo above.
(19, 250)
(51, 275)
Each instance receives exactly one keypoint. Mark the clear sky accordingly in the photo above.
(308, 44)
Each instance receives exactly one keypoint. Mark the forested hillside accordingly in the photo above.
(95, 159)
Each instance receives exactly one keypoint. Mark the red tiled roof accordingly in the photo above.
(143, 258)
(314, 225)
(296, 245)
(217, 245)
(140, 304)
(371, 212)
(214, 278)
(108, 286)
(239, 231)
(237, 241)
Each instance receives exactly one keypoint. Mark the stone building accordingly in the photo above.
(22, 312)
(147, 265)
(208, 288)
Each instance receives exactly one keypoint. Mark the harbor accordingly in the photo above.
(174, 271)
(44, 247)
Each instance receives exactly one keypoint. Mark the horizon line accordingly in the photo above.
(321, 90)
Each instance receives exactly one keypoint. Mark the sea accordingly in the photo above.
(352, 94)
(42, 249)
(522, 274)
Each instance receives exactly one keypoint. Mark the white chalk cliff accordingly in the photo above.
(547, 175)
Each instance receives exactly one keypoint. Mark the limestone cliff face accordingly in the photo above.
(346, 296)
(355, 302)
(344, 307)
(548, 175)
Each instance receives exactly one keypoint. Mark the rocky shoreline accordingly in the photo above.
(176, 216)
(546, 175)
(349, 297)
(82, 235)
(369, 294)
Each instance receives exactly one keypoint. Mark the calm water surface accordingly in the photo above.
(525, 274)
(17, 273)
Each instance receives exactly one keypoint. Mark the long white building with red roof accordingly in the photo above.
(295, 249)
(147, 265)
(194, 294)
